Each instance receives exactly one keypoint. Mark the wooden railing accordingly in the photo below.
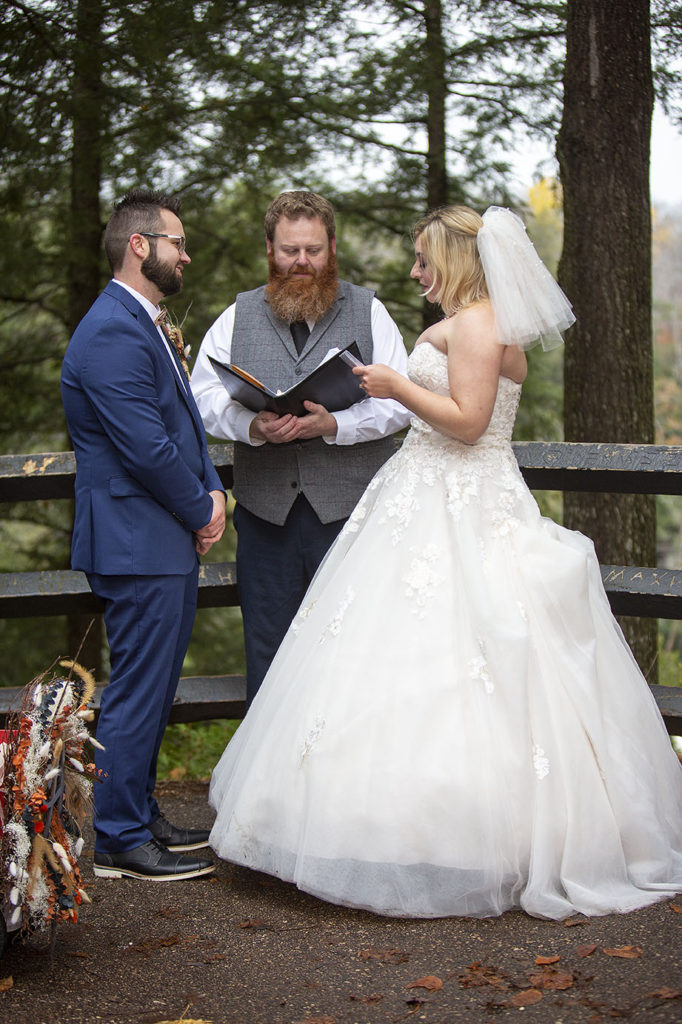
(611, 468)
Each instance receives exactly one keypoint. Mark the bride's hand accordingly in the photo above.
(377, 380)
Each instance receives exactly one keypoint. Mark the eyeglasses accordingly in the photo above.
(179, 239)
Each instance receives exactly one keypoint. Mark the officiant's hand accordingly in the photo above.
(316, 423)
(268, 426)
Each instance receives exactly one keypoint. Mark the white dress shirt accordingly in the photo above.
(366, 420)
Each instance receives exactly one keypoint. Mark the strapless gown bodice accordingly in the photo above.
(428, 367)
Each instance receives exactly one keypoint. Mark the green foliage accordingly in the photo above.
(227, 102)
(192, 750)
(669, 657)
(29, 647)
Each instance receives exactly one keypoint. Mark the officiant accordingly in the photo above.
(296, 478)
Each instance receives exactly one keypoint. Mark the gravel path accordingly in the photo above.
(242, 948)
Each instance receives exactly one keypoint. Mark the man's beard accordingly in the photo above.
(302, 298)
(163, 275)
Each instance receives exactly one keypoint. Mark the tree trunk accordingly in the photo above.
(436, 92)
(85, 237)
(603, 151)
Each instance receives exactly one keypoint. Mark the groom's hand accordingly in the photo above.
(208, 535)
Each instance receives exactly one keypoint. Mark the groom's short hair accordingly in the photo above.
(138, 211)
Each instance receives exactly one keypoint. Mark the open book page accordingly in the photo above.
(331, 384)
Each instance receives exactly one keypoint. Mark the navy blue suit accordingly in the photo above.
(143, 478)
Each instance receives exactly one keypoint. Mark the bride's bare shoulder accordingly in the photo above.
(478, 313)
(435, 335)
(473, 322)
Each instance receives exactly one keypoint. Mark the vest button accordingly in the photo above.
(294, 484)
(298, 371)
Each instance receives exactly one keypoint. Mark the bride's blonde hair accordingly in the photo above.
(447, 238)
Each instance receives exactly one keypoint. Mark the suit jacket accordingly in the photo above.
(143, 474)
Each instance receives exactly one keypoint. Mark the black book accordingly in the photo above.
(332, 384)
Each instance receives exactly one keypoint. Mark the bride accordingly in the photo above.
(454, 724)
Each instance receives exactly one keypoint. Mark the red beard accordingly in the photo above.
(307, 298)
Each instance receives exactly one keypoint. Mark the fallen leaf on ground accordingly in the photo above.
(324, 1019)
(6, 983)
(429, 982)
(666, 993)
(375, 997)
(144, 947)
(478, 975)
(386, 956)
(571, 922)
(586, 950)
(168, 912)
(541, 960)
(83, 956)
(185, 1020)
(254, 922)
(552, 979)
(625, 952)
(528, 997)
(676, 907)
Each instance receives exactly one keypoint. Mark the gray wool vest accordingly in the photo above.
(269, 478)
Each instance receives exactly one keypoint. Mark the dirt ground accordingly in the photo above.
(242, 948)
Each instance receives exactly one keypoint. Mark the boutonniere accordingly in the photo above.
(173, 331)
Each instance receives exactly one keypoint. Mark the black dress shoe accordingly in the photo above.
(179, 840)
(151, 861)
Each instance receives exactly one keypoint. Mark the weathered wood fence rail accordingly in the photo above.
(610, 468)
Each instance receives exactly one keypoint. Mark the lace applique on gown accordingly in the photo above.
(454, 723)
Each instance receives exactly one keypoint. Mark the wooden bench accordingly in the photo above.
(612, 468)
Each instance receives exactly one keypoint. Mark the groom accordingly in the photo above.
(148, 501)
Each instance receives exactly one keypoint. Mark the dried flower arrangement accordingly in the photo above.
(46, 782)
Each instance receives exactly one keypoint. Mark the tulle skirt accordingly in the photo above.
(454, 724)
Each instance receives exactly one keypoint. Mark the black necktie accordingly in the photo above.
(300, 333)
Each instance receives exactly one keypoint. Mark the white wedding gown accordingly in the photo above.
(454, 724)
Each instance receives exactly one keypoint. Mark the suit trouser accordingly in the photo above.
(275, 566)
(149, 622)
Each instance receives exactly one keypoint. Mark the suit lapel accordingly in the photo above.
(145, 321)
